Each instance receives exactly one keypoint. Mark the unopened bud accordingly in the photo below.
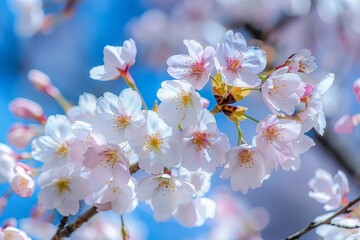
(25, 108)
(42, 82)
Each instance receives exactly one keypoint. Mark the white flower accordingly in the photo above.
(119, 117)
(157, 146)
(302, 61)
(313, 115)
(282, 91)
(85, 110)
(7, 163)
(106, 162)
(328, 190)
(22, 184)
(30, 17)
(203, 145)
(195, 212)
(247, 168)
(180, 104)
(117, 61)
(195, 67)
(274, 138)
(200, 179)
(165, 193)
(53, 149)
(62, 190)
(11, 233)
(329, 232)
(238, 63)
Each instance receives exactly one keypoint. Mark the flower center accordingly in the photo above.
(154, 142)
(201, 141)
(197, 69)
(185, 99)
(62, 150)
(111, 157)
(245, 159)
(122, 121)
(63, 185)
(233, 65)
(166, 184)
(272, 133)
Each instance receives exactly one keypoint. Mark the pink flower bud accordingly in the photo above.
(345, 124)
(20, 135)
(356, 88)
(42, 82)
(22, 184)
(25, 108)
(205, 102)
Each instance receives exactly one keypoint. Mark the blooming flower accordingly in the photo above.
(62, 189)
(117, 61)
(85, 110)
(119, 117)
(329, 190)
(203, 145)
(200, 179)
(274, 138)
(195, 67)
(247, 168)
(302, 62)
(156, 145)
(238, 63)
(165, 193)
(282, 91)
(11, 233)
(180, 104)
(22, 184)
(53, 149)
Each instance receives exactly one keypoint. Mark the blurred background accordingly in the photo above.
(68, 40)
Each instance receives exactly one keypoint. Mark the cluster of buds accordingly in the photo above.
(91, 153)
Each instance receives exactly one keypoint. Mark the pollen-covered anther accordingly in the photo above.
(63, 185)
(185, 99)
(111, 157)
(166, 185)
(201, 141)
(245, 158)
(154, 142)
(122, 121)
(272, 133)
(233, 64)
(197, 69)
(62, 150)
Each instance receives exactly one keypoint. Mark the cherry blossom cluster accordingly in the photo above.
(92, 152)
(348, 123)
(332, 192)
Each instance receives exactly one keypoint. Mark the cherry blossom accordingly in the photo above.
(329, 190)
(156, 146)
(22, 184)
(42, 82)
(165, 193)
(20, 135)
(180, 104)
(117, 61)
(345, 124)
(11, 233)
(239, 63)
(247, 167)
(274, 138)
(203, 145)
(25, 108)
(356, 88)
(85, 110)
(62, 189)
(282, 91)
(302, 62)
(199, 179)
(328, 232)
(195, 67)
(119, 117)
(7, 163)
(53, 149)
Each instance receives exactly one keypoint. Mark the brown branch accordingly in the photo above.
(314, 225)
(344, 226)
(65, 231)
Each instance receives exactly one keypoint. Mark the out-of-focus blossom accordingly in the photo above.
(117, 61)
(180, 104)
(239, 63)
(7, 163)
(30, 16)
(329, 190)
(42, 82)
(20, 135)
(22, 184)
(247, 168)
(37, 228)
(165, 193)
(25, 108)
(302, 62)
(356, 88)
(195, 67)
(11, 233)
(345, 124)
(329, 232)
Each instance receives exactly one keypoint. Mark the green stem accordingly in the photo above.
(241, 139)
(130, 81)
(123, 229)
(251, 118)
(248, 89)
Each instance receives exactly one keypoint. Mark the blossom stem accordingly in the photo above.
(248, 89)
(123, 229)
(130, 81)
(314, 224)
(62, 102)
(251, 118)
(241, 139)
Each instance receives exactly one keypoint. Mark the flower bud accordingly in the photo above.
(25, 108)
(20, 135)
(22, 184)
(42, 82)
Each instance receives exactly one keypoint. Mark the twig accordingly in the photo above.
(62, 224)
(344, 226)
(314, 225)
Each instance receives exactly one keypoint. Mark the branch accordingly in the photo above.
(344, 226)
(314, 225)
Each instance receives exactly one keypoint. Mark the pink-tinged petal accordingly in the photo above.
(68, 207)
(255, 59)
(111, 57)
(233, 41)
(99, 73)
(195, 49)
(345, 124)
(146, 188)
(80, 188)
(49, 198)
